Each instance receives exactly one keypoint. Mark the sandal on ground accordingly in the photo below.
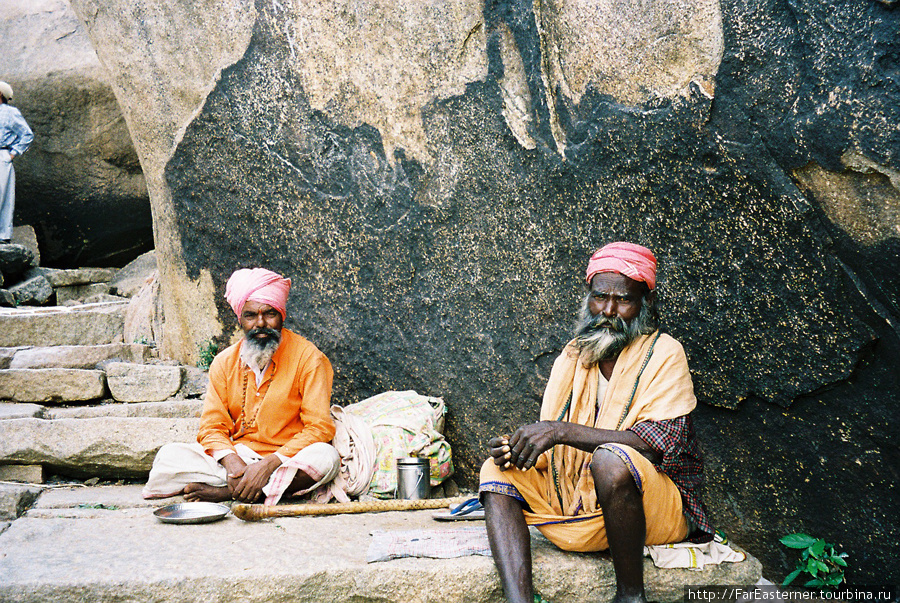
(467, 511)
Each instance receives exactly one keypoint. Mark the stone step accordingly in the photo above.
(104, 544)
(88, 324)
(75, 356)
(106, 447)
(35, 472)
(14, 410)
(52, 385)
(168, 409)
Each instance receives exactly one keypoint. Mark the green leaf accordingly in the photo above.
(822, 567)
(791, 576)
(797, 541)
(817, 548)
(812, 567)
(815, 582)
(838, 560)
(835, 580)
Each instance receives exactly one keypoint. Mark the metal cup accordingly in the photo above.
(413, 478)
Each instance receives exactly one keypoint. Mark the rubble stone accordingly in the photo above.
(129, 382)
(29, 474)
(130, 279)
(36, 290)
(24, 235)
(15, 259)
(80, 292)
(74, 277)
(15, 499)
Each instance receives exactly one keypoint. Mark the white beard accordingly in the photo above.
(600, 344)
(258, 356)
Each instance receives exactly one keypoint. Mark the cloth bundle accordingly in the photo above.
(692, 556)
(372, 434)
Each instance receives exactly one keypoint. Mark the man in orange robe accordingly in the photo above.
(613, 463)
(266, 420)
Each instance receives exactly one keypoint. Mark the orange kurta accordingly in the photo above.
(291, 405)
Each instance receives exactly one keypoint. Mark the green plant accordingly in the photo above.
(207, 351)
(818, 559)
(143, 340)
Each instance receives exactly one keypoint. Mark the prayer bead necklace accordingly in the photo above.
(252, 421)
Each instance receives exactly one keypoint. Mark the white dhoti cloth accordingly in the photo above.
(177, 465)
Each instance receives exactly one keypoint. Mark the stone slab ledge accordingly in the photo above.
(94, 544)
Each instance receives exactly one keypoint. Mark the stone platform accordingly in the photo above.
(103, 544)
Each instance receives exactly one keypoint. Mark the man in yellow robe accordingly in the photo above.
(613, 463)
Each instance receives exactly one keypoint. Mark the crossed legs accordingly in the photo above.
(623, 512)
(196, 491)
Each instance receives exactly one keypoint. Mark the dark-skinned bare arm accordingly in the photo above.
(523, 448)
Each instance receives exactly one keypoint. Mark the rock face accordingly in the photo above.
(80, 185)
(434, 179)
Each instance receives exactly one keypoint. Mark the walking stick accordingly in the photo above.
(257, 512)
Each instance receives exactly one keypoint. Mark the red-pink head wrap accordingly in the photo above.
(259, 285)
(632, 260)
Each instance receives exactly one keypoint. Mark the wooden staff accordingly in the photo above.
(257, 512)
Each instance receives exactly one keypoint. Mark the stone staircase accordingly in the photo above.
(76, 399)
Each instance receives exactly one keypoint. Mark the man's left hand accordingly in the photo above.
(255, 477)
(530, 441)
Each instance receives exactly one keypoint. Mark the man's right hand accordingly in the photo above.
(501, 452)
(235, 466)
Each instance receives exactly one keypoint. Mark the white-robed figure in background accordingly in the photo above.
(15, 138)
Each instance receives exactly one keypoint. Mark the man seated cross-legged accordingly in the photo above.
(613, 463)
(266, 419)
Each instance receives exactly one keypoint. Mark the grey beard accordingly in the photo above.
(257, 353)
(601, 338)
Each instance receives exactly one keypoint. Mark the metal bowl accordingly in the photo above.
(192, 512)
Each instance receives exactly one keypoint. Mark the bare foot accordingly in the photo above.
(204, 492)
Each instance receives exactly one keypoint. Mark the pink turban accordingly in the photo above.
(632, 260)
(259, 285)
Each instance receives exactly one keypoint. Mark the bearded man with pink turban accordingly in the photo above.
(613, 462)
(266, 422)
